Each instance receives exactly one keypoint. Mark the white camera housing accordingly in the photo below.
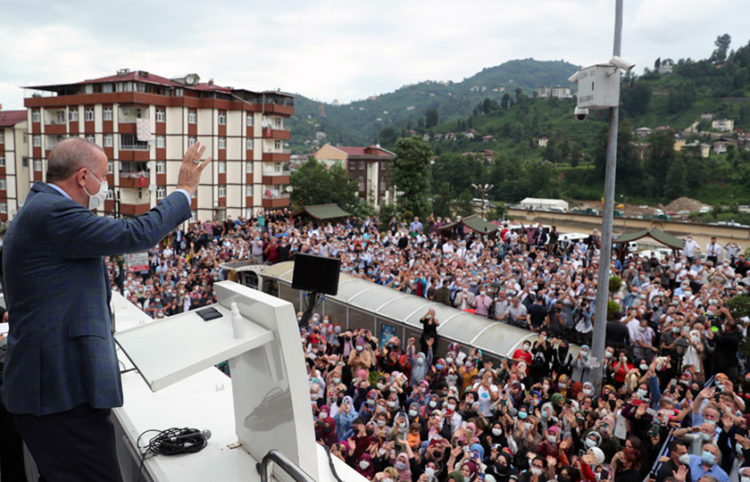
(580, 113)
(621, 63)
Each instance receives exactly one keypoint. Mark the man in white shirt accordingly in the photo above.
(713, 251)
(689, 249)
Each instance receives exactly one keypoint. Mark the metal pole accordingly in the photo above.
(605, 254)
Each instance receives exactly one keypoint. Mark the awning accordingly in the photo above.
(657, 234)
(474, 223)
(325, 211)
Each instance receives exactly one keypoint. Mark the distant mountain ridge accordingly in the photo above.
(359, 122)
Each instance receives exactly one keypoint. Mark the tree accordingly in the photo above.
(675, 184)
(313, 183)
(636, 99)
(387, 136)
(722, 47)
(410, 174)
(463, 205)
(431, 118)
(505, 101)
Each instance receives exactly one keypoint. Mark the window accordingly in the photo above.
(140, 86)
(108, 140)
(107, 114)
(3, 184)
(124, 87)
(90, 138)
(277, 122)
(222, 118)
(192, 140)
(222, 191)
(161, 142)
(277, 145)
(110, 167)
(131, 142)
(4, 207)
(249, 120)
(161, 167)
(222, 142)
(161, 115)
(61, 117)
(37, 140)
(248, 190)
(2, 137)
(193, 214)
(37, 164)
(178, 93)
(35, 116)
(2, 161)
(249, 144)
(249, 167)
(161, 192)
(107, 88)
(73, 114)
(192, 117)
(110, 194)
(89, 114)
(222, 167)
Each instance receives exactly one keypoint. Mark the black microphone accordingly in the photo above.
(191, 433)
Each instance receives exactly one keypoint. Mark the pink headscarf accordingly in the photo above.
(403, 475)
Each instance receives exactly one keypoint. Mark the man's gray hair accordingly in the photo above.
(70, 155)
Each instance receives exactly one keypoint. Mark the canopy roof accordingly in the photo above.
(386, 303)
(325, 211)
(654, 233)
(473, 222)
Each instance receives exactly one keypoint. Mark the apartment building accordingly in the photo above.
(145, 122)
(14, 161)
(366, 165)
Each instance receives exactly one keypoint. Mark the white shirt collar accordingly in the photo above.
(60, 190)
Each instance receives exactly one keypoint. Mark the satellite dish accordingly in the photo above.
(191, 79)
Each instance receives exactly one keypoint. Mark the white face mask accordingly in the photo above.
(96, 200)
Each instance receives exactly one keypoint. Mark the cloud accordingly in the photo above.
(329, 49)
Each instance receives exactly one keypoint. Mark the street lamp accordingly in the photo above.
(484, 189)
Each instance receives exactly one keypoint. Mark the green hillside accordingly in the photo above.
(360, 122)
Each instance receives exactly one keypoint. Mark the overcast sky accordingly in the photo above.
(345, 50)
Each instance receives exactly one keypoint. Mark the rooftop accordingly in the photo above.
(9, 118)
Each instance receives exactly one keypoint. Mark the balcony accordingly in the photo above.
(269, 133)
(274, 197)
(277, 156)
(273, 176)
(130, 114)
(134, 179)
(134, 209)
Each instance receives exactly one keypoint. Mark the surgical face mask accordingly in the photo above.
(528, 425)
(744, 479)
(364, 464)
(608, 354)
(497, 432)
(706, 437)
(412, 414)
(323, 414)
(590, 443)
(96, 200)
(336, 380)
(381, 451)
(451, 406)
(392, 403)
(431, 472)
(587, 392)
(449, 360)
(552, 439)
(381, 423)
(684, 459)
(643, 367)
(642, 393)
(522, 415)
(708, 458)
(536, 471)
(433, 404)
(400, 465)
(360, 347)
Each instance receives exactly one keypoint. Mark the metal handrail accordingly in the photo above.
(285, 464)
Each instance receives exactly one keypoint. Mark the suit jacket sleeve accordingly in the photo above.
(79, 233)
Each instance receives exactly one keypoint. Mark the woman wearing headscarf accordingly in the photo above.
(344, 418)
(365, 466)
(403, 466)
(325, 427)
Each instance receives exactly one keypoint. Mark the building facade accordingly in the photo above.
(14, 161)
(366, 165)
(145, 123)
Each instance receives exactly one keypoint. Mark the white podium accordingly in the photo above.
(269, 381)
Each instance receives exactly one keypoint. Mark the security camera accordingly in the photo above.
(580, 113)
(621, 63)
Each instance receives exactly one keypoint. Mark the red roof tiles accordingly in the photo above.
(9, 118)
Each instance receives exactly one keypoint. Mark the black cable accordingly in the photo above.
(172, 441)
(330, 464)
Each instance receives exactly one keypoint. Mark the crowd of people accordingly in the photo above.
(436, 411)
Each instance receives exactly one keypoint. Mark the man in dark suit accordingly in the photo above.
(61, 371)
